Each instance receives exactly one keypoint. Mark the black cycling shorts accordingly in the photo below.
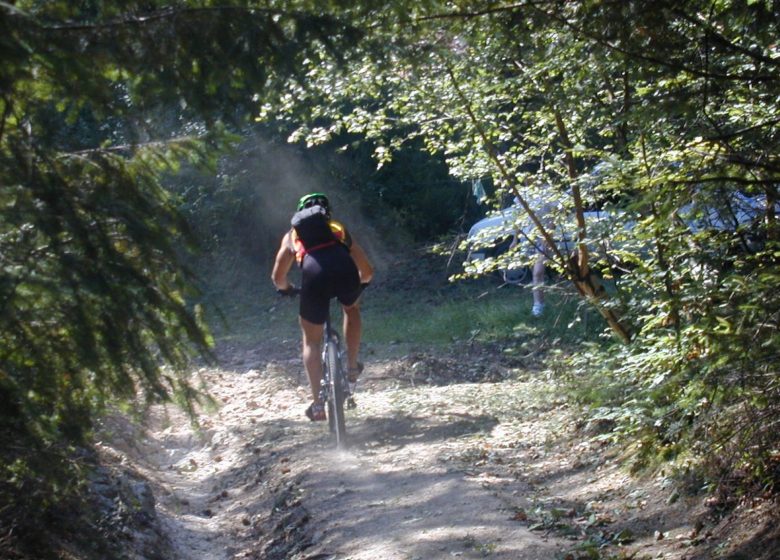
(327, 273)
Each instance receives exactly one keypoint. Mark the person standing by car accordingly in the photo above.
(543, 209)
(332, 265)
(537, 283)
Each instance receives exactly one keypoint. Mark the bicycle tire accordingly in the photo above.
(336, 420)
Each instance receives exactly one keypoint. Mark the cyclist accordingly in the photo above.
(332, 265)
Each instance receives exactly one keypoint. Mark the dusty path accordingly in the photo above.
(439, 466)
(261, 481)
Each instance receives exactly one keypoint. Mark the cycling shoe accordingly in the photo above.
(316, 412)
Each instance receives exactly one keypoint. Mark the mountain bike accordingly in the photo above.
(336, 391)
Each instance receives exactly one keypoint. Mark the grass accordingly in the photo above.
(475, 311)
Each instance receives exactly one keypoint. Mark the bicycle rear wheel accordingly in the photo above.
(336, 379)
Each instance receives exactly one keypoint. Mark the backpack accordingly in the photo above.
(312, 231)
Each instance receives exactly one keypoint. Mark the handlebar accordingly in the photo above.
(292, 291)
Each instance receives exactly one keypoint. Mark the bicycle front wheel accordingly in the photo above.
(336, 379)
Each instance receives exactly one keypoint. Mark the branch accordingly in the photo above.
(727, 179)
(538, 6)
(480, 13)
(168, 13)
(129, 147)
(658, 61)
(493, 154)
(581, 277)
(575, 189)
(737, 133)
(722, 39)
(6, 113)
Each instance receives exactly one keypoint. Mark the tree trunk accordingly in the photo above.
(580, 273)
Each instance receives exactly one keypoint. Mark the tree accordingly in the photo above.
(98, 101)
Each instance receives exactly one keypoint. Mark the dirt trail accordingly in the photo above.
(260, 481)
(439, 466)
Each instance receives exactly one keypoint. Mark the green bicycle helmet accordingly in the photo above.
(314, 199)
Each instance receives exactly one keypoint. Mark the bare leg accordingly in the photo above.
(353, 325)
(312, 355)
(537, 280)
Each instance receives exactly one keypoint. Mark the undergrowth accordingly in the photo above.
(670, 408)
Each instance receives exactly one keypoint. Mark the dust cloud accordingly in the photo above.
(277, 175)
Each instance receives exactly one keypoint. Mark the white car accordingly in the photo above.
(736, 211)
(493, 236)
